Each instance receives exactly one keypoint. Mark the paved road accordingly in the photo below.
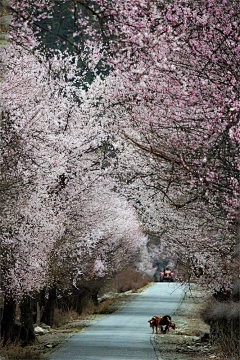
(125, 334)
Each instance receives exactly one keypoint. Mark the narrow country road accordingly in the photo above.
(124, 334)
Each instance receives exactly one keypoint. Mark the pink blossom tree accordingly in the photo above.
(173, 95)
(107, 237)
(62, 214)
(172, 92)
(31, 164)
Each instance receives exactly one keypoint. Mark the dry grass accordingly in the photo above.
(63, 317)
(105, 307)
(16, 352)
(130, 279)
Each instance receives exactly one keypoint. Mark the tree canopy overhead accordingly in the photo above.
(143, 94)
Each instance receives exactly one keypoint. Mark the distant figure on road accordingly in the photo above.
(167, 275)
(167, 272)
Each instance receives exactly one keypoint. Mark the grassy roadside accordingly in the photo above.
(190, 340)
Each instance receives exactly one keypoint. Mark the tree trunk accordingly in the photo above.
(27, 334)
(48, 313)
(82, 300)
(95, 296)
(8, 330)
(38, 315)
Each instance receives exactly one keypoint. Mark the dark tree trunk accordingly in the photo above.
(82, 300)
(48, 313)
(27, 335)
(95, 296)
(8, 329)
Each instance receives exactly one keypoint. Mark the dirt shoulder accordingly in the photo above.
(190, 338)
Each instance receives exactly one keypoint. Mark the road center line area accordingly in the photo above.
(124, 334)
